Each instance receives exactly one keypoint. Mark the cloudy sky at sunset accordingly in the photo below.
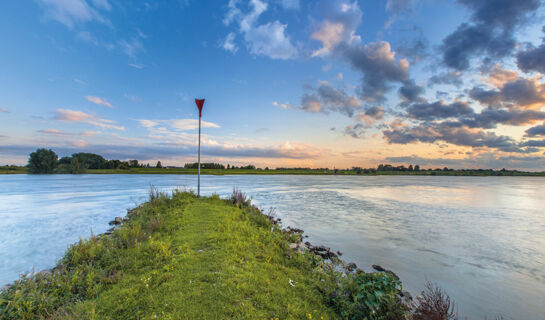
(287, 82)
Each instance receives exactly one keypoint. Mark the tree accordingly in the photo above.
(75, 166)
(410, 167)
(416, 168)
(42, 161)
(158, 165)
(90, 160)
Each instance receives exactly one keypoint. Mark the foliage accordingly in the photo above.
(434, 304)
(158, 165)
(368, 296)
(42, 161)
(204, 166)
(90, 160)
(240, 198)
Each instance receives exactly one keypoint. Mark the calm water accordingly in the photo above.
(481, 238)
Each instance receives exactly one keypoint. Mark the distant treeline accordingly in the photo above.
(211, 165)
(47, 161)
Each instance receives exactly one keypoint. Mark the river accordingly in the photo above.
(481, 238)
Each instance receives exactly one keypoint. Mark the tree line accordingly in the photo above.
(47, 161)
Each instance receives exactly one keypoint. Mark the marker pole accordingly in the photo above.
(199, 168)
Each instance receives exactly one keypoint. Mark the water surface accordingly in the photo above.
(480, 238)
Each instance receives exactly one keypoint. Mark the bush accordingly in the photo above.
(368, 296)
(434, 304)
(239, 198)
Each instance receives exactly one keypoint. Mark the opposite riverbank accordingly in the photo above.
(183, 257)
(358, 172)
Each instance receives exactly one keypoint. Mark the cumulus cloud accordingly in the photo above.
(519, 92)
(269, 39)
(379, 68)
(489, 32)
(410, 91)
(438, 110)
(536, 131)
(356, 131)
(328, 98)
(99, 101)
(80, 116)
(490, 117)
(338, 27)
(532, 58)
(454, 133)
(447, 78)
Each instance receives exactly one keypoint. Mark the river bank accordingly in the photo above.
(317, 172)
(183, 257)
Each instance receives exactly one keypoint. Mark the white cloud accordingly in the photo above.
(80, 116)
(62, 133)
(131, 48)
(339, 26)
(176, 124)
(4, 110)
(268, 39)
(229, 44)
(99, 100)
(71, 12)
(137, 66)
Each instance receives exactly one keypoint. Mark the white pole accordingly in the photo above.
(199, 169)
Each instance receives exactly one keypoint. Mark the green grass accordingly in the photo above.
(12, 169)
(178, 257)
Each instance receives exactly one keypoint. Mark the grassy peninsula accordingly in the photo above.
(183, 257)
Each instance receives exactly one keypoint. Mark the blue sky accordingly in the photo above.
(287, 82)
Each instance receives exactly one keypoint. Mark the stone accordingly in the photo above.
(378, 268)
(351, 266)
(117, 221)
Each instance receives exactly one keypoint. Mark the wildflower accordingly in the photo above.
(292, 283)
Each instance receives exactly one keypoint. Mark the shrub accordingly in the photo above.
(368, 296)
(434, 304)
(240, 198)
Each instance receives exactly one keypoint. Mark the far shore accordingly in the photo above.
(350, 172)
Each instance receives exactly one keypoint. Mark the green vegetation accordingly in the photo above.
(42, 161)
(183, 257)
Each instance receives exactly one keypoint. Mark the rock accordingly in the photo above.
(378, 268)
(381, 269)
(339, 253)
(320, 248)
(297, 246)
(117, 221)
(351, 266)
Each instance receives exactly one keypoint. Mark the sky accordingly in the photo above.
(287, 83)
